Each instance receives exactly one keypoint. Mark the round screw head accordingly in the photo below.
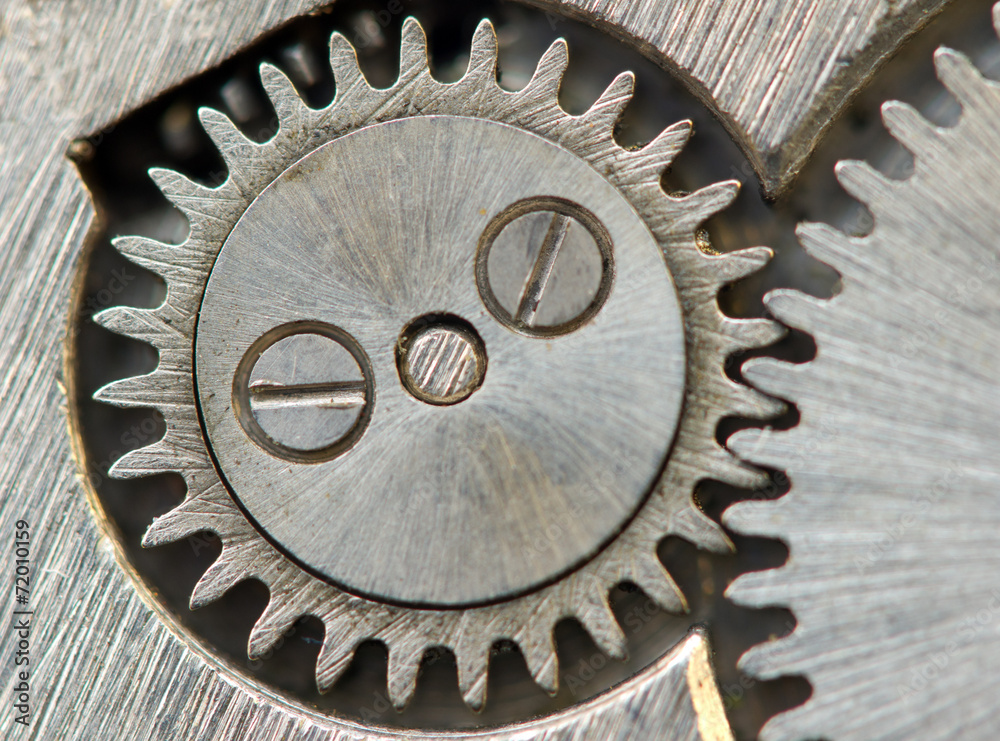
(303, 393)
(545, 268)
(441, 360)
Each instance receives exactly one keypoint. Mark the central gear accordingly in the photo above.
(438, 505)
(320, 440)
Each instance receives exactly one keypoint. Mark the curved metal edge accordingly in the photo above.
(800, 62)
(106, 664)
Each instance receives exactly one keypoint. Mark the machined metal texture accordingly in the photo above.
(106, 635)
(441, 360)
(735, 56)
(891, 522)
(370, 518)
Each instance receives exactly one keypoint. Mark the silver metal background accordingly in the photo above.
(57, 83)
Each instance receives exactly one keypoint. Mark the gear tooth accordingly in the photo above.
(168, 261)
(599, 621)
(334, 658)
(774, 376)
(239, 154)
(473, 668)
(143, 462)
(755, 444)
(757, 518)
(797, 723)
(160, 389)
(827, 245)
(186, 194)
(222, 576)
(281, 91)
(761, 660)
(796, 309)
(663, 150)
(748, 402)
(145, 325)
(404, 665)
(223, 132)
(219, 127)
(134, 247)
(414, 59)
(696, 527)
(957, 72)
(174, 452)
(757, 589)
(545, 83)
(273, 623)
(646, 165)
(862, 181)
(754, 333)
(484, 55)
(705, 203)
(647, 573)
(539, 651)
(212, 509)
(726, 467)
(908, 127)
(609, 108)
(349, 79)
(171, 527)
(734, 266)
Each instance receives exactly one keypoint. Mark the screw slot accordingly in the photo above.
(303, 392)
(544, 267)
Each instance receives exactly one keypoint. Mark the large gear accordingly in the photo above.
(403, 620)
(892, 568)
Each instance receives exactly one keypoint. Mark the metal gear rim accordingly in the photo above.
(527, 621)
(892, 553)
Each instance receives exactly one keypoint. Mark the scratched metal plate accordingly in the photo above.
(108, 661)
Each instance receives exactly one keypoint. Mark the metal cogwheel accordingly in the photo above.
(401, 325)
(893, 558)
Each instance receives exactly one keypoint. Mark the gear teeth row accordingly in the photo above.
(526, 621)
(892, 553)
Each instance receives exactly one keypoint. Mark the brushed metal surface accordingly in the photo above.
(892, 520)
(444, 505)
(776, 72)
(442, 362)
(59, 83)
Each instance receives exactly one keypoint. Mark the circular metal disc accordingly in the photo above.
(483, 499)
